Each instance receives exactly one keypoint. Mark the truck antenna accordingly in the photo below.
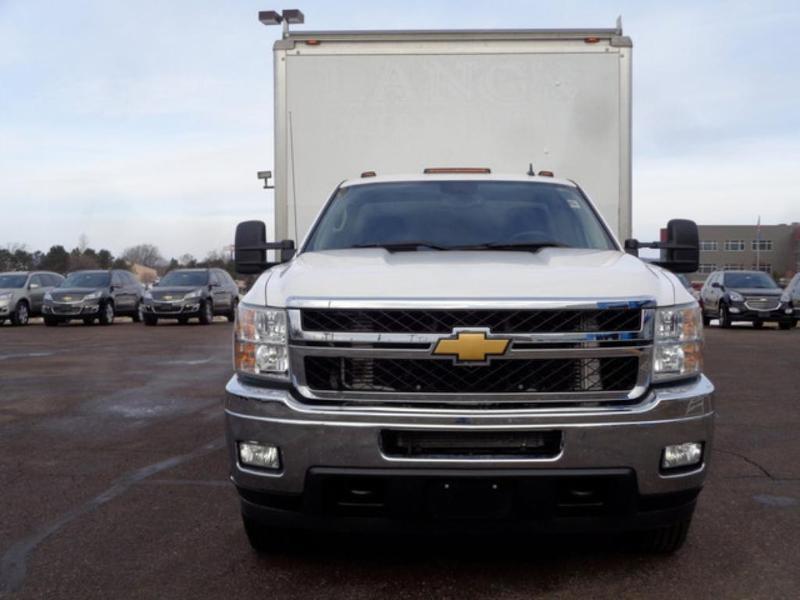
(294, 184)
(530, 172)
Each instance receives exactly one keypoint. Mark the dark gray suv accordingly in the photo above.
(183, 294)
(94, 296)
(22, 294)
(746, 296)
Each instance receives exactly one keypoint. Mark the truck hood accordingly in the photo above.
(550, 273)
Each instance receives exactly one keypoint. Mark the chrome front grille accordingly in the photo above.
(762, 303)
(585, 352)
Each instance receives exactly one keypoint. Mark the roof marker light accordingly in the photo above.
(545, 173)
(463, 170)
(368, 174)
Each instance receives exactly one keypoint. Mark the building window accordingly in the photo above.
(734, 245)
(708, 246)
(766, 267)
(731, 267)
(762, 245)
(706, 268)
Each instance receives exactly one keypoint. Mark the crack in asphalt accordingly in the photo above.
(757, 465)
(14, 561)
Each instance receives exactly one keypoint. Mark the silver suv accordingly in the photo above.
(22, 294)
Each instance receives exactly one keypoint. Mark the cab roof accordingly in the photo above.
(457, 177)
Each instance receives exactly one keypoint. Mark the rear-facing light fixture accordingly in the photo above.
(260, 344)
(681, 455)
(261, 456)
(678, 350)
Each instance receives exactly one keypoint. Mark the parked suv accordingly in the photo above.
(183, 294)
(22, 294)
(94, 295)
(746, 296)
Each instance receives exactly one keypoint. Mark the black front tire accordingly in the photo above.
(665, 540)
(138, 314)
(264, 539)
(786, 325)
(724, 317)
(106, 314)
(706, 320)
(150, 320)
(232, 314)
(206, 312)
(21, 314)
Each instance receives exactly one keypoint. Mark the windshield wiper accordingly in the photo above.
(405, 246)
(532, 246)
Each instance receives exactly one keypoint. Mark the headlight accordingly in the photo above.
(678, 350)
(785, 298)
(148, 295)
(194, 294)
(736, 296)
(260, 343)
(94, 295)
(48, 296)
(6, 296)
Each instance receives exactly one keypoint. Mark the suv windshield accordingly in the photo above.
(459, 214)
(184, 278)
(12, 281)
(86, 280)
(749, 280)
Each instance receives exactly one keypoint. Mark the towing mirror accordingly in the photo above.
(250, 249)
(680, 251)
(681, 254)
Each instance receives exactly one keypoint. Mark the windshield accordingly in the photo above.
(86, 280)
(750, 280)
(684, 280)
(12, 281)
(184, 278)
(448, 214)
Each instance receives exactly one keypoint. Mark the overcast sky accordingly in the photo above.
(146, 121)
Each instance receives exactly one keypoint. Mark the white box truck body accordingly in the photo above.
(398, 102)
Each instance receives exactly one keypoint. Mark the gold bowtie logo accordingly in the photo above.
(471, 346)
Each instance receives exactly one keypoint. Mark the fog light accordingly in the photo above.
(682, 455)
(263, 456)
(734, 310)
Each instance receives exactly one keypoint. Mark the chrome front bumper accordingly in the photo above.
(630, 437)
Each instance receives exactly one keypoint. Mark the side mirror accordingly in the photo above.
(717, 285)
(250, 249)
(680, 252)
(34, 286)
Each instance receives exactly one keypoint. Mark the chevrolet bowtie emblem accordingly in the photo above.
(471, 347)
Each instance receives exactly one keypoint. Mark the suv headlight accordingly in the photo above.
(261, 342)
(193, 294)
(785, 297)
(148, 295)
(94, 295)
(736, 296)
(5, 298)
(678, 350)
(48, 296)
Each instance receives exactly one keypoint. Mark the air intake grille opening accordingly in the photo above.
(507, 376)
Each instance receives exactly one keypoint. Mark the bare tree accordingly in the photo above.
(143, 254)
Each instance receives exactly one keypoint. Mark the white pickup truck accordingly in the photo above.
(453, 348)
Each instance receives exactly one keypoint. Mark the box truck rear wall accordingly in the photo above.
(358, 102)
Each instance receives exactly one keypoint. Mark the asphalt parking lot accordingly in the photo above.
(114, 484)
